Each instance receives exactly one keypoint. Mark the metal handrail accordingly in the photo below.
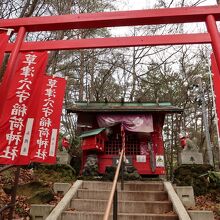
(114, 186)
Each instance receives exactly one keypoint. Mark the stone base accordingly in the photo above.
(63, 157)
(40, 212)
(186, 195)
(190, 157)
(201, 215)
(61, 188)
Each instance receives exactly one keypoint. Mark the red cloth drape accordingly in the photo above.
(134, 123)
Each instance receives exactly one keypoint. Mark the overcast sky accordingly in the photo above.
(123, 5)
(145, 4)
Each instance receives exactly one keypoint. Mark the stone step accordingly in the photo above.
(69, 215)
(123, 195)
(128, 186)
(156, 207)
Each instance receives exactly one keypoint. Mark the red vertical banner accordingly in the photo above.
(46, 129)
(17, 119)
(4, 35)
(216, 85)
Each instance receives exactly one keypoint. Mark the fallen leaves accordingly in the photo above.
(208, 202)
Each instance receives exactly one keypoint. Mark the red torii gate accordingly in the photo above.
(207, 14)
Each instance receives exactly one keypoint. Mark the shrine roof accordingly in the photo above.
(91, 132)
(130, 107)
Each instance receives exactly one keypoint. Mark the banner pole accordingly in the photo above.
(14, 193)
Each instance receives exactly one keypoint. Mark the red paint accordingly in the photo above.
(22, 94)
(214, 34)
(183, 142)
(3, 43)
(11, 67)
(113, 19)
(3, 86)
(95, 142)
(114, 42)
(142, 168)
(65, 143)
(216, 83)
(47, 119)
(105, 158)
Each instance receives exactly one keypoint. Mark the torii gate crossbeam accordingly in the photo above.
(114, 42)
(114, 19)
(206, 14)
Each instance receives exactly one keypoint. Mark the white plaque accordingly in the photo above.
(27, 137)
(159, 161)
(53, 143)
(141, 158)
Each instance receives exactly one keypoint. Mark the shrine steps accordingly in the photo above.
(125, 195)
(128, 186)
(68, 215)
(95, 205)
(138, 201)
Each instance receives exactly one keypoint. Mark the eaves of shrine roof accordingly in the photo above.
(119, 107)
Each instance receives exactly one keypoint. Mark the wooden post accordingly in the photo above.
(14, 192)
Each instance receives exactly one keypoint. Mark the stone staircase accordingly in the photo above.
(138, 201)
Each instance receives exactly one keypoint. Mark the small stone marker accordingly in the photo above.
(40, 212)
(186, 195)
(61, 188)
(63, 157)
